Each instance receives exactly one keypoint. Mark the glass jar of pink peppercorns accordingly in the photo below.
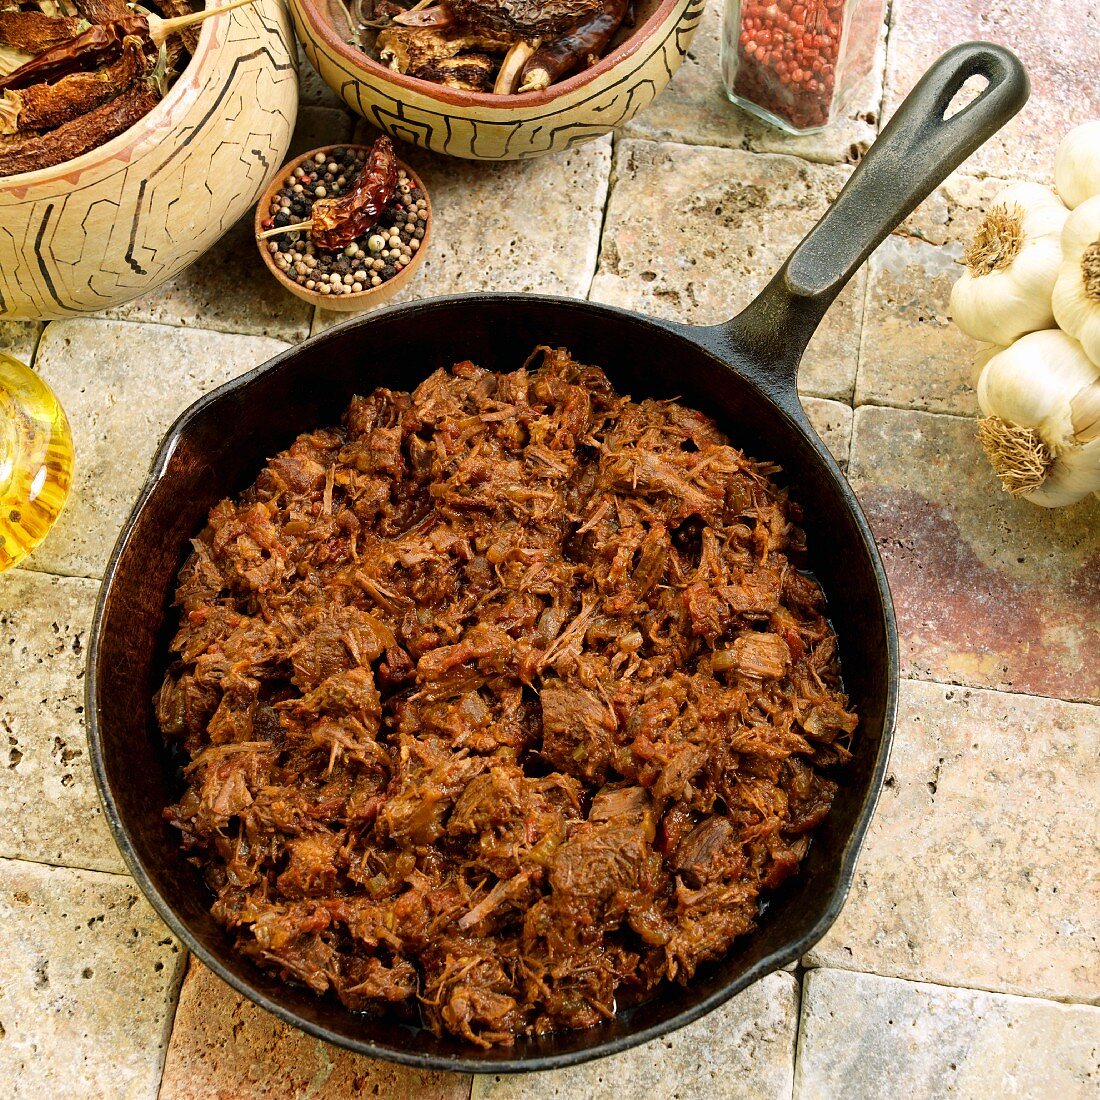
(794, 63)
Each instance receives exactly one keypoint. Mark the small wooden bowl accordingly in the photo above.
(341, 303)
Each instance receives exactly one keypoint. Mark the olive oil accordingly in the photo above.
(36, 460)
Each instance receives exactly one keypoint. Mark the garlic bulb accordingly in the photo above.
(1011, 266)
(1041, 429)
(979, 359)
(1077, 165)
(1076, 297)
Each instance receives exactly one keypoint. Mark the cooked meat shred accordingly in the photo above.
(501, 699)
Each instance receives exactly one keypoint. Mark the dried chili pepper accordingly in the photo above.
(338, 222)
(95, 47)
(44, 106)
(81, 134)
(33, 32)
(581, 46)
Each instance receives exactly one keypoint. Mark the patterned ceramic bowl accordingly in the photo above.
(489, 127)
(107, 226)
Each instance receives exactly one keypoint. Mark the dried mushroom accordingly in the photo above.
(502, 46)
(524, 18)
(445, 56)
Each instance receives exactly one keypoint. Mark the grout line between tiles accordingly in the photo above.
(170, 1017)
(612, 179)
(908, 677)
(744, 147)
(27, 567)
(798, 1034)
(38, 345)
(964, 986)
(68, 867)
(167, 325)
(909, 408)
(799, 977)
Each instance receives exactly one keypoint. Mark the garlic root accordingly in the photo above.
(1040, 400)
(1018, 456)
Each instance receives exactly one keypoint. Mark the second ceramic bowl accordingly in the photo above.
(481, 126)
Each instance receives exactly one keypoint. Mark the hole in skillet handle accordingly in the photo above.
(972, 88)
(915, 152)
(919, 147)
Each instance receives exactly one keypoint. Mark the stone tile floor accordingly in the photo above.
(966, 960)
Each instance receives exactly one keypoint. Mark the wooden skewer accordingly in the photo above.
(283, 229)
(160, 29)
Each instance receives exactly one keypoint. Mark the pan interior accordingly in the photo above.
(219, 448)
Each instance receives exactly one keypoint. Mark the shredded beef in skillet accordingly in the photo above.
(500, 696)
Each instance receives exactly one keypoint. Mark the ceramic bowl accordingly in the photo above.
(344, 303)
(481, 126)
(106, 227)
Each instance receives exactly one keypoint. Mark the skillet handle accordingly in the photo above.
(915, 152)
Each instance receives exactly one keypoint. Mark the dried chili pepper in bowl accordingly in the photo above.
(338, 221)
(345, 226)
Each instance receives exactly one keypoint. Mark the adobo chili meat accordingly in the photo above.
(500, 698)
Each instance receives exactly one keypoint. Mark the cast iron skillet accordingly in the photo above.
(742, 373)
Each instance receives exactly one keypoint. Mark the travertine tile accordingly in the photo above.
(224, 1046)
(1055, 40)
(866, 1037)
(694, 234)
(989, 590)
(122, 385)
(88, 975)
(20, 338)
(833, 422)
(49, 809)
(230, 289)
(517, 226)
(979, 868)
(911, 354)
(694, 108)
(744, 1049)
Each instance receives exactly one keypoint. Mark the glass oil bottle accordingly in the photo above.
(36, 460)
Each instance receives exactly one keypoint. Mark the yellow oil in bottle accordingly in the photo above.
(36, 460)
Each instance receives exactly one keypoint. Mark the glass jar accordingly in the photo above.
(36, 460)
(795, 63)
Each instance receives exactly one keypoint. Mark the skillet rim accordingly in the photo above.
(705, 339)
